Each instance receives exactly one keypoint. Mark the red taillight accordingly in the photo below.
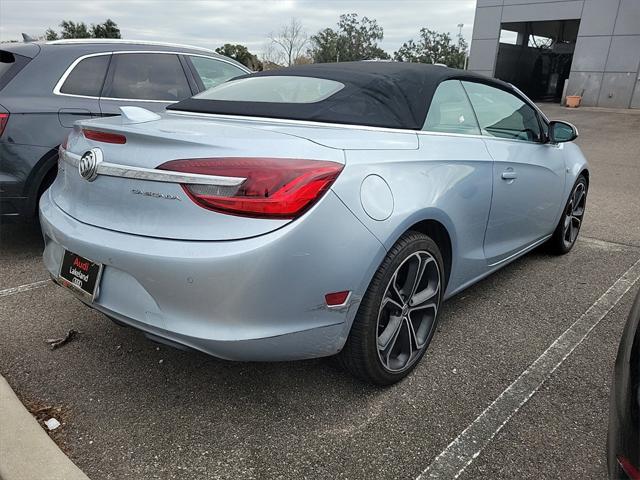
(104, 137)
(274, 187)
(4, 119)
(336, 299)
(632, 472)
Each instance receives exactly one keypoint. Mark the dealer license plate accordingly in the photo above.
(80, 275)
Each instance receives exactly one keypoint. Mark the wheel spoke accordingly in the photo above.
(575, 221)
(412, 278)
(578, 201)
(575, 228)
(567, 227)
(578, 196)
(394, 291)
(421, 321)
(425, 295)
(390, 348)
(571, 233)
(387, 339)
(424, 263)
(413, 341)
(390, 301)
(424, 306)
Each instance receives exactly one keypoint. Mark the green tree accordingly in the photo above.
(354, 39)
(70, 29)
(51, 34)
(241, 54)
(324, 46)
(74, 30)
(108, 29)
(433, 47)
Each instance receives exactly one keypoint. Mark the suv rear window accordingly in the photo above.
(276, 89)
(87, 77)
(148, 76)
(10, 65)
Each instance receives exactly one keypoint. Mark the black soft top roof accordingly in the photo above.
(378, 94)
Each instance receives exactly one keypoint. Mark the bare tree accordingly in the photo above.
(289, 43)
(270, 57)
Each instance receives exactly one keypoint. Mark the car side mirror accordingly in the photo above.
(562, 132)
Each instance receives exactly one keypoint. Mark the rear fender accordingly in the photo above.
(47, 164)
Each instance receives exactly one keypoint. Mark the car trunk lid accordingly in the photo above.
(129, 198)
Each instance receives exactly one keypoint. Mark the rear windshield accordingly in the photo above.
(10, 65)
(276, 89)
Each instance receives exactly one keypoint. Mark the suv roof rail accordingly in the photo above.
(121, 41)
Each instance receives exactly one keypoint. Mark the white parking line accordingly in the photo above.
(24, 288)
(459, 454)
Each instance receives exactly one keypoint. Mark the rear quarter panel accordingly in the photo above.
(448, 179)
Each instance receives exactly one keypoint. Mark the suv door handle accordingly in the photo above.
(509, 174)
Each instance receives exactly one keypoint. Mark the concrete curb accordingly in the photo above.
(26, 451)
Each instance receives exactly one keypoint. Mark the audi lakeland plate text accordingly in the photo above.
(310, 211)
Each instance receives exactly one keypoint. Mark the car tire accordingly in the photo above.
(566, 233)
(393, 327)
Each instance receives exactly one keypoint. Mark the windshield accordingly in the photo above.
(276, 89)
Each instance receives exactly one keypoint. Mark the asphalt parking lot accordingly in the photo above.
(133, 409)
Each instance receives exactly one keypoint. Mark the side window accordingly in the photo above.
(450, 110)
(87, 77)
(214, 72)
(148, 76)
(503, 115)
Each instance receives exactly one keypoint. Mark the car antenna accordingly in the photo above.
(27, 38)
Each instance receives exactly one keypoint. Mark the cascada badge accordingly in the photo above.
(88, 166)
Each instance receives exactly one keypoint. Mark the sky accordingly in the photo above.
(211, 23)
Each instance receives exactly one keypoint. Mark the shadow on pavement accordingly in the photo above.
(20, 239)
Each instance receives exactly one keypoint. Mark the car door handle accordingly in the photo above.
(509, 175)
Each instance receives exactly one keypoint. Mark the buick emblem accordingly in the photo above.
(88, 166)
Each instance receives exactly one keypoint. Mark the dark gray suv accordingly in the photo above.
(46, 87)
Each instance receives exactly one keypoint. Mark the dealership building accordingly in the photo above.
(551, 48)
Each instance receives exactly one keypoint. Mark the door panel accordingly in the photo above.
(528, 181)
(528, 175)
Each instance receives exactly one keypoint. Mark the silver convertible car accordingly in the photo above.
(311, 211)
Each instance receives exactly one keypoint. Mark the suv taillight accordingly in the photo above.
(274, 187)
(4, 119)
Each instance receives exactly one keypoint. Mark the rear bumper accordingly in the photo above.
(254, 299)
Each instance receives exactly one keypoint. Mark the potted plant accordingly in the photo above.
(573, 101)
